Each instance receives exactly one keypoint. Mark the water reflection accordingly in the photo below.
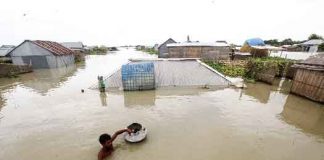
(304, 114)
(262, 91)
(148, 98)
(44, 80)
(143, 98)
(103, 98)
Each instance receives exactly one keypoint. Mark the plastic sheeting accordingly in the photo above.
(255, 42)
(138, 76)
(176, 73)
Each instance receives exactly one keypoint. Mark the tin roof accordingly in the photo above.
(73, 45)
(54, 47)
(315, 62)
(5, 49)
(313, 42)
(198, 44)
(170, 40)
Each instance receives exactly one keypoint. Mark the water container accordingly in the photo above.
(138, 76)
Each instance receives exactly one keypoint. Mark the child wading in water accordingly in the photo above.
(106, 142)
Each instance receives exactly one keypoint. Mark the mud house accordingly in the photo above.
(309, 78)
(211, 51)
(163, 49)
(256, 47)
(42, 54)
(75, 46)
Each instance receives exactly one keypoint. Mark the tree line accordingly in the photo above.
(289, 41)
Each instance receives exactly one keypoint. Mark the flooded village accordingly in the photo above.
(44, 114)
(162, 80)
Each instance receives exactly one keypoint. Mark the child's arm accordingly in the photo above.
(116, 134)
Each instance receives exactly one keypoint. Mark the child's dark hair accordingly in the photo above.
(104, 138)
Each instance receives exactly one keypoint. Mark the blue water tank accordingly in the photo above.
(138, 76)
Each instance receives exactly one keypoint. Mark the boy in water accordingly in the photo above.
(106, 142)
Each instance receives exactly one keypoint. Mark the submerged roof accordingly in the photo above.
(174, 72)
(73, 45)
(313, 42)
(197, 44)
(255, 42)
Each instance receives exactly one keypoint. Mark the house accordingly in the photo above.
(309, 78)
(311, 45)
(163, 49)
(140, 47)
(156, 47)
(42, 54)
(209, 51)
(256, 47)
(5, 49)
(74, 46)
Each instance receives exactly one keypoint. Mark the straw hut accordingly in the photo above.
(309, 78)
(256, 47)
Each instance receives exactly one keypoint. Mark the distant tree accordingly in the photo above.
(272, 42)
(287, 41)
(314, 36)
(321, 48)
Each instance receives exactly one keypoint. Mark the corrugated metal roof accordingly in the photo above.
(54, 47)
(168, 40)
(73, 45)
(5, 49)
(317, 60)
(313, 42)
(197, 44)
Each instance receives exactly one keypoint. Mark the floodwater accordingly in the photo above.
(44, 115)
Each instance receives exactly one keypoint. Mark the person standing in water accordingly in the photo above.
(106, 142)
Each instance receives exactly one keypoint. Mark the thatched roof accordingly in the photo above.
(312, 63)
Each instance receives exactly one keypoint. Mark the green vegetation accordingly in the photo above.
(314, 36)
(277, 43)
(321, 48)
(228, 70)
(253, 67)
(150, 50)
(98, 50)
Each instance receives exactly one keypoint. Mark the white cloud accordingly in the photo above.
(117, 22)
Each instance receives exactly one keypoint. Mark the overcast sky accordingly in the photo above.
(119, 22)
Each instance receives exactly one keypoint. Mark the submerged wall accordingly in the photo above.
(50, 61)
(8, 70)
(309, 83)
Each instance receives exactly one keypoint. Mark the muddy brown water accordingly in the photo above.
(44, 115)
